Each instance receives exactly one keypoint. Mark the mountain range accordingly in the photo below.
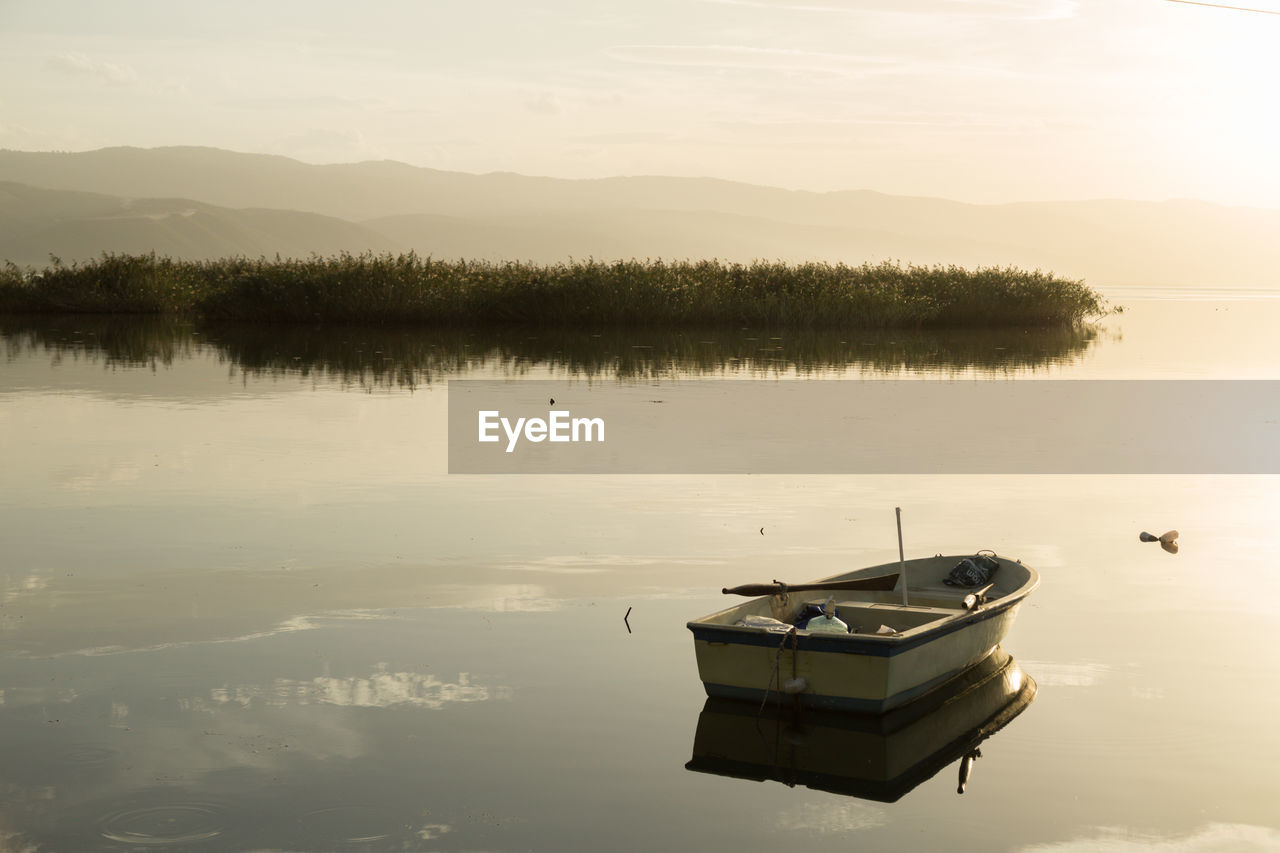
(201, 203)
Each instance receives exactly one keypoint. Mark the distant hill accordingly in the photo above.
(612, 233)
(36, 223)
(258, 204)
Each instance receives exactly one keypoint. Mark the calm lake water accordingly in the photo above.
(244, 607)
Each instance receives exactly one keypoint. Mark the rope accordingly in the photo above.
(777, 663)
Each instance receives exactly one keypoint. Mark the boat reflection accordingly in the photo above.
(872, 757)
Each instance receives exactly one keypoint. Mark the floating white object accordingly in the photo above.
(792, 686)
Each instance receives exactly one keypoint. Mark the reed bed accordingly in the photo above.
(383, 289)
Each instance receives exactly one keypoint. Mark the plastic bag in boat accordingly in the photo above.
(973, 571)
(765, 622)
(827, 625)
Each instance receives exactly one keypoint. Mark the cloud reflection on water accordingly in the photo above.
(1237, 837)
(381, 689)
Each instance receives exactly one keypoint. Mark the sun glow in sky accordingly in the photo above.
(976, 100)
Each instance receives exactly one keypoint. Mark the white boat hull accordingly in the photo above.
(936, 640)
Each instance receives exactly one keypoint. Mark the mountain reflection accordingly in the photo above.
(410, 357)
(871, 757)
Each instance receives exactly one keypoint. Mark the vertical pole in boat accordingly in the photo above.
(902, 560)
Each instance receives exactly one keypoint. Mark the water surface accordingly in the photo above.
(243, 606)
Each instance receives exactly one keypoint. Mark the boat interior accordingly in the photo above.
(883, 611)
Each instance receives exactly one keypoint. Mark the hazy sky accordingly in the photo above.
(978, 100)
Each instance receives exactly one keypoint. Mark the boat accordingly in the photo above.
(908, 632)
(880, 758)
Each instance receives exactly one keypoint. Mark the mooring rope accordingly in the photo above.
(777, 664)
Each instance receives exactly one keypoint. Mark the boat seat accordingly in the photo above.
(859, 612)
(951, 593)
(878, 604)
(890, 607)
(892, 603)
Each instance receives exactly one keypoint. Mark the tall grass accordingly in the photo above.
(380, 289)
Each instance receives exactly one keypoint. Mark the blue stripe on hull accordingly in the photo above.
(809, 700)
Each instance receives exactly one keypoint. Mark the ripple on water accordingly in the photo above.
(345, 825)
(169, 823)
(87, 755)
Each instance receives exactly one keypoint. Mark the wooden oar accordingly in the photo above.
(777, 588)
(977, 597)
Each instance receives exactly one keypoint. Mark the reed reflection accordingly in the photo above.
(406, 357)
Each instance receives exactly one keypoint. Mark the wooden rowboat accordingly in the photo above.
(898, 647)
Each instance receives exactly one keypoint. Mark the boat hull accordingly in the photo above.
(842, 674)
(931, 641)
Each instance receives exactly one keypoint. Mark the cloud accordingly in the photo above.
(818, 128)
(1023, 9)
(80, 65)
(543, 104)
(635, 137)
(324, 144)
(24, 138)
(309, 102)
(751, 58)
